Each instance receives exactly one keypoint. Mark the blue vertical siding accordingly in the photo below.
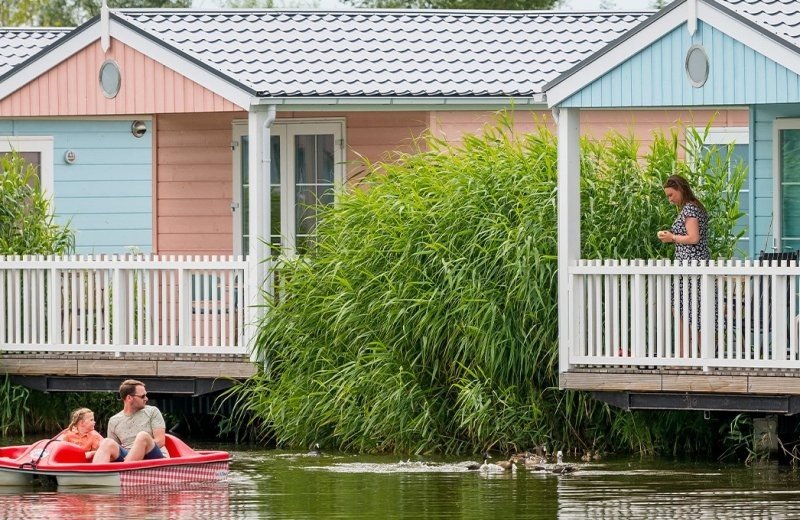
(655, 76)
(762, 120)
(106, 194)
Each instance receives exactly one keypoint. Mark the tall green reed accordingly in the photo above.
(425, 317)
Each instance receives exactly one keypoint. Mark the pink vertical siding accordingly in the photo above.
(452, 126)
(195, 183)
(72, 88)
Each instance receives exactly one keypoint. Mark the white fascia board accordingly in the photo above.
(48, 60)
(181, 65)
(398, 103)
(749, 37)
(615, 57)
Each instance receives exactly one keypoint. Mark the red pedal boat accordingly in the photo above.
(66, 462)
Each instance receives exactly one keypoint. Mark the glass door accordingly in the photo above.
(789, 190)
(312, 155)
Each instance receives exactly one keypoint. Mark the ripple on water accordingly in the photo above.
(398, 467)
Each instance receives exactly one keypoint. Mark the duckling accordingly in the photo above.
(560, 467)
(313, 450)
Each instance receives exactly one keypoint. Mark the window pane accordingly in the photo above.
(314, 176)
(275, 193)
(35, 159)
(304, 159)
(325, 159)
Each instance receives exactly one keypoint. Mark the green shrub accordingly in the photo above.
(27, 226)
(425, 319)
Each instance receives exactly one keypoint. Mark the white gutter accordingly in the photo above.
(356, 102)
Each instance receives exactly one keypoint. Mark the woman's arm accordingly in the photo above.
(692, 235)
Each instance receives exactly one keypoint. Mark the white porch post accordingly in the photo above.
(569, 224)
(259, 121)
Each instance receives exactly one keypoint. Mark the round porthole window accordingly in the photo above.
(697, 65)
(110, 78)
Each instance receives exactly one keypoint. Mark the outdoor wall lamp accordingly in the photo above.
(138, 128)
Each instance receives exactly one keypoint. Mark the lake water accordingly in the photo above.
(280, 484)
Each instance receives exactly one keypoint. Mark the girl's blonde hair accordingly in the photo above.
(76, 417)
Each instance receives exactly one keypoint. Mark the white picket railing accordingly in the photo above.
(626, 313)
(124, 303)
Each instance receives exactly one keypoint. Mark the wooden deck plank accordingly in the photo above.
(608, 382)
(704, 383)
(234, 369)
(38, 367)
(774, 385)
(107, 367)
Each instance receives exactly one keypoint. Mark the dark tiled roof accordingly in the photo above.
(384, 53)
(780, 17)
(18, 44)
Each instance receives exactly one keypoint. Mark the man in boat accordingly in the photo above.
(135, 433)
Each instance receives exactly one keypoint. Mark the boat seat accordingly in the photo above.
(176, 447)
(66, 452)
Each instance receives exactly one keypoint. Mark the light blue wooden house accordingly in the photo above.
(620, 335)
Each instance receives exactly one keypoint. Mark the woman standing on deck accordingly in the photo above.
(689, 233)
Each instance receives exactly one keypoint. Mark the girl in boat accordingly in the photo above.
(81, 432)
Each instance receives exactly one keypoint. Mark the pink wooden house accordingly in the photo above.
(193, 137)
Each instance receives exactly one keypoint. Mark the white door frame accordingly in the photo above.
(286, 130)
(777, 179)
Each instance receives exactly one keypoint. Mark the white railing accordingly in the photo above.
(124, 303)
(627, 313)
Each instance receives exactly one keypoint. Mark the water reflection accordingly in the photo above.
(167, 502)
(278, 485)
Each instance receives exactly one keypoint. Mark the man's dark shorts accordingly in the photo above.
(155, 453)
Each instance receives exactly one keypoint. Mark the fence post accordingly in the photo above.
(184, 305)
(779, 308)
(706, 316)
(637, 310)
(119, 314)
(577, 305)
(54, 303)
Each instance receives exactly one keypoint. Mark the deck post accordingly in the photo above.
(259, 121)
(569, 224)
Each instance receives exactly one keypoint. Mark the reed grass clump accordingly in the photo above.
(425, 317)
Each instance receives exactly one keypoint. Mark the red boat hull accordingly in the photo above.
(67, 463)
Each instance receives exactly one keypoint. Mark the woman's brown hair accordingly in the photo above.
(679, 183)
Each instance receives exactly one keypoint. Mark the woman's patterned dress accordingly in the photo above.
(686, 252)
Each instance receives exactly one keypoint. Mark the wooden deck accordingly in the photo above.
(99, 371)
(751, 381)
(744, 390)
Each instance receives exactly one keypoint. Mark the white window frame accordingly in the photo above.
(724, 136)
(287, 129)
(41, 144)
